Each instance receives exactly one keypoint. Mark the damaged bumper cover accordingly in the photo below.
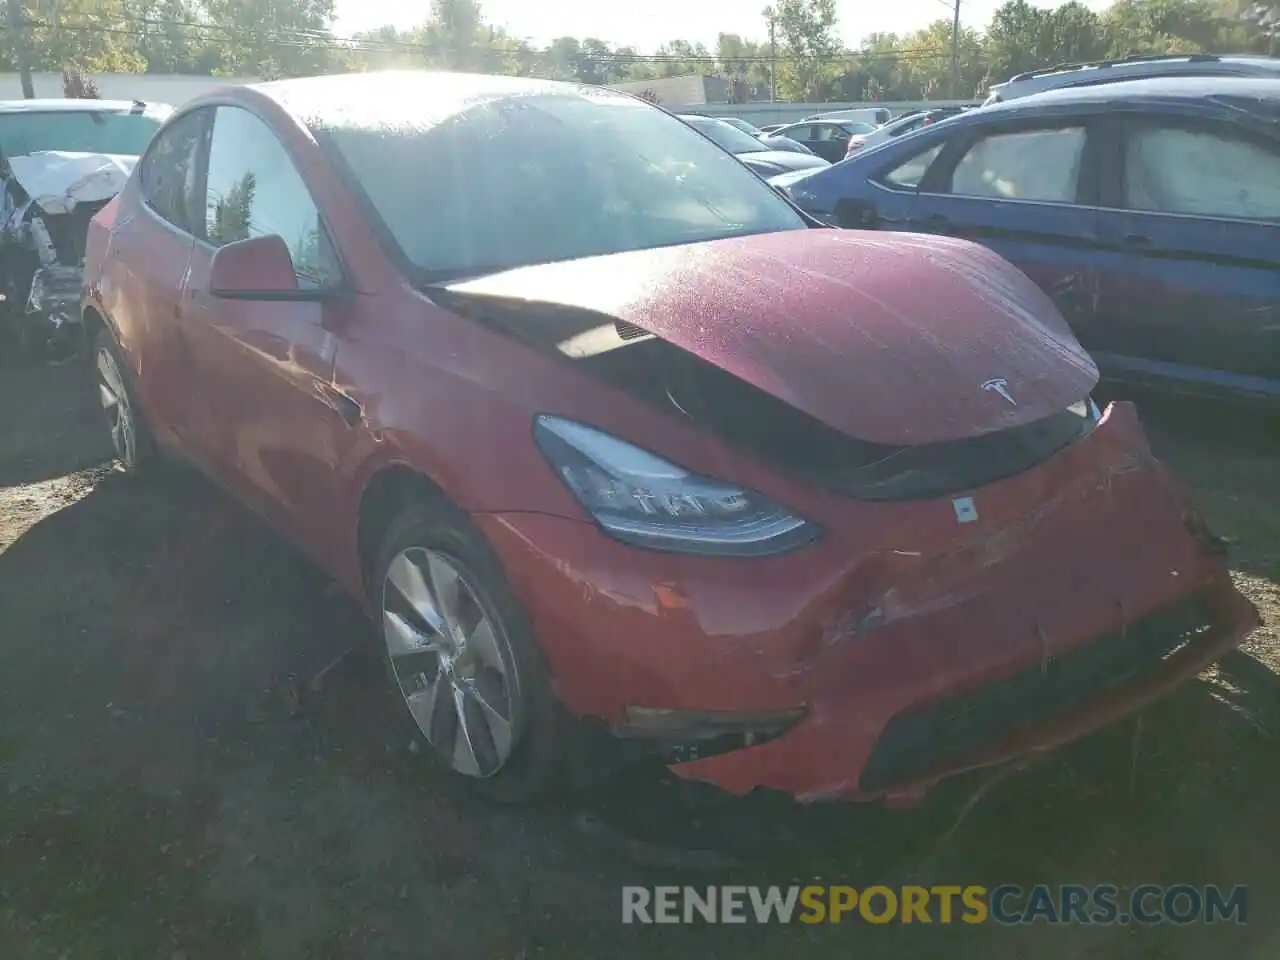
(899, 650)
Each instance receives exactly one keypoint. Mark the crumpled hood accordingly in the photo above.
(58, 180)
(892, 338)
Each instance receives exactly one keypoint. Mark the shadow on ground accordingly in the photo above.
(180, 775)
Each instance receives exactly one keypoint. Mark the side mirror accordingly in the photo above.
(259, 268)
(857, 215)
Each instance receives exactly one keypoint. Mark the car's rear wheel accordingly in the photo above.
(130, 436)
(465, 669)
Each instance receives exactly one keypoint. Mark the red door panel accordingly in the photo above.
(268, 413)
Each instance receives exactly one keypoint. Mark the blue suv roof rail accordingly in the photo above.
(1139, 58)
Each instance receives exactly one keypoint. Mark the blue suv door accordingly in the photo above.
(1026, 189)
(1191, 295)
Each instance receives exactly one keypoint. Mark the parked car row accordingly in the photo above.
(907, 123)
(761, 154)
(626, 456)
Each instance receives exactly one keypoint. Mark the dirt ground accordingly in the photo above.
(176, 782)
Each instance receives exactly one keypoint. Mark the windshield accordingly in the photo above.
(76, 132)
(728, 136)
(534, 179)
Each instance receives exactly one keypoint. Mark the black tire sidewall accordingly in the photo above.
(532, 770)
(144, 447)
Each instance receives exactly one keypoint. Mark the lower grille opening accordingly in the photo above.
(923, 738)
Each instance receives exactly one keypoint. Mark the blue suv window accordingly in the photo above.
(1040, 164)
(1201, 172)
(907, 176)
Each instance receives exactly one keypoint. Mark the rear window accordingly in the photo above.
(89, 131)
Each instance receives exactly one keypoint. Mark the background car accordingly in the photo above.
(907, 123)
(826, 138)
(756, 154)
(743, 125)
(1133, 68)
(1148, 210)
(872, 115)
(684, 478)
(785, 144)
(60, 162)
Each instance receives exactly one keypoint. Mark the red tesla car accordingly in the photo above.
(617, 447)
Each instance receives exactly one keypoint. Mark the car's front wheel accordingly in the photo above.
(463, 663)
(130, 436)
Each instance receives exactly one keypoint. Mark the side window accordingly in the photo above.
(168, 175)
(1039, 165)
(805, 134)
(829, 131)
(254, 190)
(907, 176)
(1201, 171)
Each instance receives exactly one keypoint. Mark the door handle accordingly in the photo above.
(1137, 240)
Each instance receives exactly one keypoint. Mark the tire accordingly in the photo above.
(460, 676)
(131, 437)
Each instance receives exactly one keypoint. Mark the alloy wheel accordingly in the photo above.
(116, 407)
(451, 661)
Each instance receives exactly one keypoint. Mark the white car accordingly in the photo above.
(907, 123)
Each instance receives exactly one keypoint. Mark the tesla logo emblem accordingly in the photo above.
(1000, 386)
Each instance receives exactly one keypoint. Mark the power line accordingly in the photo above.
(312, 38)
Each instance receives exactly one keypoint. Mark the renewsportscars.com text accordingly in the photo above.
(1006, 904)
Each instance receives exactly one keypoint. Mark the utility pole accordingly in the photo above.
(21, 50)
(773, 54)
(955, 53)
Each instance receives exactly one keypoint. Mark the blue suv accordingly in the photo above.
(1148, 210)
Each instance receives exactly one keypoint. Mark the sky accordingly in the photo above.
(647, 23)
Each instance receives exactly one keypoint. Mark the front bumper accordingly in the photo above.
(917, 648)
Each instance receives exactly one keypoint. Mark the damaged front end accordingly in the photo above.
(46, 202)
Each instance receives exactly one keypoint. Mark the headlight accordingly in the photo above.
(646, 501)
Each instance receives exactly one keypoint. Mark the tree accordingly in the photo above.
(78, 85)
(272, 39)
(451, 35)
(1019, 38)
(1161, 26)
(1262, 21)
(809, 45)
(1075, 34)
(233, 212)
